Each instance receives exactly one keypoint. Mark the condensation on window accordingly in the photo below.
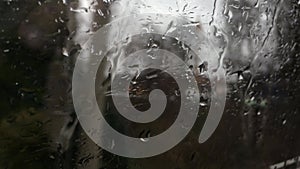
(256, 42)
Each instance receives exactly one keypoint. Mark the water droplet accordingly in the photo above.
(6, 50)
(203, 104)
(99, 11)
(65, 52)
(79, 10)
(152, 76)
(284, 122)
(145, 139)
(177, 92)
(112, 144)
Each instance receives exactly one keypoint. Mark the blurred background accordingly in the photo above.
(258, 43)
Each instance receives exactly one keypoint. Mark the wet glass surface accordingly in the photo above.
(257, 44)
